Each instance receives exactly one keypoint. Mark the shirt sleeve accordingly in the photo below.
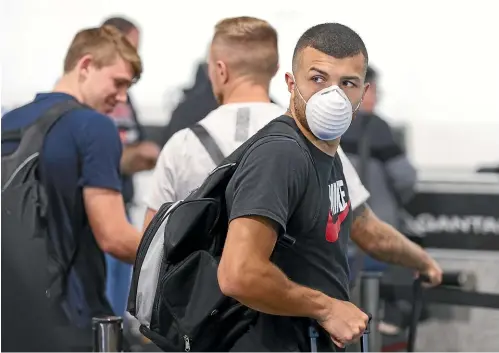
(165, 176)
(100, 149)
(358, 193)
(269, 182)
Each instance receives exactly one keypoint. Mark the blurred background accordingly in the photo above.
(437, 60)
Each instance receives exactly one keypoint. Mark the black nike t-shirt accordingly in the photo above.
(310, 202)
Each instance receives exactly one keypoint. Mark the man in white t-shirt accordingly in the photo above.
(243, 60)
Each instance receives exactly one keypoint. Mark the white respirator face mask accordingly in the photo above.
(328, 112)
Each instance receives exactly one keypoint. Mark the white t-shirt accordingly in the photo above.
(184, 163)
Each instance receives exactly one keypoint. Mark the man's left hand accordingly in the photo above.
(434, 274)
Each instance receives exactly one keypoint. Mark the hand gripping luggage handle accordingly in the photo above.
(449, 279)
(313, 334)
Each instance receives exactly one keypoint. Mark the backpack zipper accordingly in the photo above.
(18, 169)
(187, 343)
(222, 167)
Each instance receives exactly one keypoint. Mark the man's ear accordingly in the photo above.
(366, 88)
(222, 71)
(290, 81)
(84, 64)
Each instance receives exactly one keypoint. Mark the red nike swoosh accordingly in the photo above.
(343, 214)
(333, 228)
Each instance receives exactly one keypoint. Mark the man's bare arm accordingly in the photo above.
(106, 214)
(138, 157)
(383, 242)
(247, 274)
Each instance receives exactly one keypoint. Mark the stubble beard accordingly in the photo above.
(299, 111)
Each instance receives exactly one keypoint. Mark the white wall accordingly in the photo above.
(438, 59)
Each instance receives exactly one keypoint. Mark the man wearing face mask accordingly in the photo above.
(277, 189)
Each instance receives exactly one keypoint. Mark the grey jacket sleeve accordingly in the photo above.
(400, 173)
(403, 177)
(385, 153)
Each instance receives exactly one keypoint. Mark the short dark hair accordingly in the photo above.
(333, 39)
(371, 74)
(122, 24)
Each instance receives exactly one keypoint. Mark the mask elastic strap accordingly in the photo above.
(296, 87)
(358, 105)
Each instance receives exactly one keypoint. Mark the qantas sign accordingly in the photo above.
(468, 224)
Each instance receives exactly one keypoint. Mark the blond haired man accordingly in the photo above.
(243, 58)
(79, 168)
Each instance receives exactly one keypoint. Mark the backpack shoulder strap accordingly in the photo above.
(279, 127)
(11, 135)
(291, 132)
(209, 143)
(32, 137)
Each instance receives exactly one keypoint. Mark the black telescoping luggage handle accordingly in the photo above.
(417, 305)
(364, 342)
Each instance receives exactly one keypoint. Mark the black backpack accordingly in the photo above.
(174, 292)
(25, 212)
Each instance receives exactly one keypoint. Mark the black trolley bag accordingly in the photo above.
(174, 292)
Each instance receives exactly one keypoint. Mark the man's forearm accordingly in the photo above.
(383, 242)
(267, 289)
(128, 160)
(132, 161)
(129, 246)
(123, 247)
